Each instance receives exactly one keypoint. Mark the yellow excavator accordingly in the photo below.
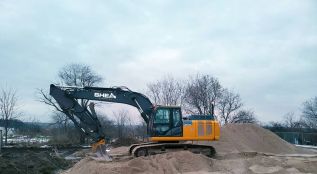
(166, 127)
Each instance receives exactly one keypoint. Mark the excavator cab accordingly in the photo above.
(166, 122)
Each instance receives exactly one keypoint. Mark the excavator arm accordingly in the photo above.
(87, 121)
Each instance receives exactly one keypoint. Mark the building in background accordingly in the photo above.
(300, 136)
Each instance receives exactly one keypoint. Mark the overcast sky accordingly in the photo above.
(265, 50)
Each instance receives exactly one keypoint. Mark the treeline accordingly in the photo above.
(201, 94)
(198, 94)
(29, 129)
(298, 129)
(306, 119)
(120, 131)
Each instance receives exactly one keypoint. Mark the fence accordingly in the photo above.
(302, 138)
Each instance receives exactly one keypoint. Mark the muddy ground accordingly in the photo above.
(33, 160)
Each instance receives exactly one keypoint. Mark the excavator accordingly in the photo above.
(166, 127)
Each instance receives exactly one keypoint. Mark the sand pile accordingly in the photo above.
(189, 163)
(176, 162)
(236, 138)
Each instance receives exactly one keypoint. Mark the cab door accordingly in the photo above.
(167, 122)
(177, 123)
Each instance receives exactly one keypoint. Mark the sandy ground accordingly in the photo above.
(243, 149)
(187, 162)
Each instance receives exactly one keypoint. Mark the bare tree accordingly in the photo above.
(244, 116)
(64, 131)
(8, 108)
(309, 112)
(290, 121)
(61, 120)
(141, 130)
(229, 104)
(167, 91)
(71, 75)
(108, 125)
(78, 75)
(275, 125)
(202, 93)
(121, 120)
(30, 128)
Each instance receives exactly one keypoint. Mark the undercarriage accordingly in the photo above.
(147, 149)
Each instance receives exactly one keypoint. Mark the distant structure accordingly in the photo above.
(0, 140)
(300, 136)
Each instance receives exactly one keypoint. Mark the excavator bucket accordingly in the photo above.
(101, 151)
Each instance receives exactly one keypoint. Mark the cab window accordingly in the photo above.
(162, 116)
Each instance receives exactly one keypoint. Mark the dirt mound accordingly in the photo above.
(237, 153)
(189, 163)
(235, 138)
(176, 162)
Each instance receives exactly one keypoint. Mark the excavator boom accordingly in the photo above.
(87, 121)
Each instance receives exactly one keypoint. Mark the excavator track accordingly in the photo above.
(131, 148)
(148, 149)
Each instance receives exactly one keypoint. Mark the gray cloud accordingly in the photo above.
(265, 50)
